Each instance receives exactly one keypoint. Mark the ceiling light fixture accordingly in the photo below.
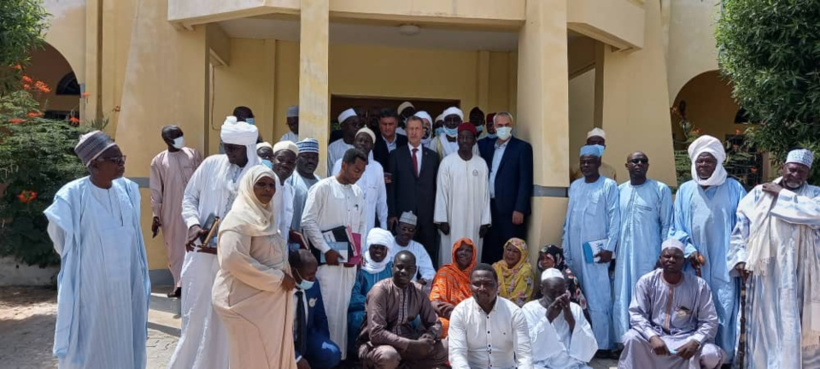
(409, 29)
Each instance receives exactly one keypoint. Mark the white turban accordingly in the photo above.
(241, 133)
(377, 236)
(346, 114)
(286, 145)
(293, 111)
(596, 132)
(238, 133)
(453, 111)
(712, 146)
(424, 115)
(368, 131)
(440, 117)
(405, 105)
(673, 243)
(551, 273)
(263, 144)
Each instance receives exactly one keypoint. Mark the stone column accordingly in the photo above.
(543, 115)
(314, 98)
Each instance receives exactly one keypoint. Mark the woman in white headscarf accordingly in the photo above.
(252, 292)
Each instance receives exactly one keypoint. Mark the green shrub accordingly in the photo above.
(770, 50)
(36, 159)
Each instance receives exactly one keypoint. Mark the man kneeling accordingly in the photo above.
(388, 336)
(673, 318)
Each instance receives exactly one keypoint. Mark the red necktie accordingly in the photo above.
(415, 162)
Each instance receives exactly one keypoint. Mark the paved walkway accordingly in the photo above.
(27, 324)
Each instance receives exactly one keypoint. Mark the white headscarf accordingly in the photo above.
(377, 236)
(713, 146)
(241, 133)
(248, 215)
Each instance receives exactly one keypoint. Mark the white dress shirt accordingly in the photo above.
(419, 153)
(390, 145)
(497, 340)
(497, 156)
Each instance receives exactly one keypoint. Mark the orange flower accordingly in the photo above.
(737, 131)
(16, 120)
(18, 66)
(40, 85)
(27, 196)
(86, 94)
(26, 79)
(753, 170)
(26, 86)
(74, 120)
(35, 114)
(45, 89)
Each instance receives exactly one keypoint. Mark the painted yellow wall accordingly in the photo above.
(635, 96)
(66, 32)
(709, 106)
(581, 111)
(691, 48)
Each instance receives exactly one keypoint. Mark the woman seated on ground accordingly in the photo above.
(552, 256)
(376, 267)
(252, 291)
(452, 282)
(515, 279)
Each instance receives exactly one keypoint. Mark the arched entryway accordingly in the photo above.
(50, 66)
(705, 106)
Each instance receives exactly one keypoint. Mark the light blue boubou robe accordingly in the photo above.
(103, 285)
(593, 215)
(703, 221)
(646, 215)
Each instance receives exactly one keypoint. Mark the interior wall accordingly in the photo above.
(709, 106)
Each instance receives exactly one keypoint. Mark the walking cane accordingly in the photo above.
(741, 347)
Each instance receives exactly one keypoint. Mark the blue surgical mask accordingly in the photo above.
(439, 131)
(452, 132)
(304, 285)
(504, 133)
(267, 163)
(479, 129)
(249, 121)
(492, 135)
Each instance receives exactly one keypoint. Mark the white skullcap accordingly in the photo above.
(439, 118)
(286, 145)
(453, 111)
(378, 236)
(424, 115)
(346, 114)
(408, 218)
(596, 132)
(551, 273)
(263, 144)
(369, 133)
(405, 105)
(293, 111)
(238, 133)
(673, 243)
(801, 156)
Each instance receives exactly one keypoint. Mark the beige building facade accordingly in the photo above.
(561, 66)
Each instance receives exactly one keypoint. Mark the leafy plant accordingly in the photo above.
(22, 26)
(36, 159)
(770, 51)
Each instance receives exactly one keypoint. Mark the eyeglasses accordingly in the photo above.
(114, 159)
(639, 160)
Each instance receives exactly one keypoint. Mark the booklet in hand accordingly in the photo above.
(591, 249)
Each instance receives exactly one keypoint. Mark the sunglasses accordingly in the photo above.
(636, 161)
(114, 159)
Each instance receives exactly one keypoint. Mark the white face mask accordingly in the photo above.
(179, 142)
(504, 133)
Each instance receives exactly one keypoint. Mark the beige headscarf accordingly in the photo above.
(248, 215)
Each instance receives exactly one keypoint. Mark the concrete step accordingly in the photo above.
(161, 302)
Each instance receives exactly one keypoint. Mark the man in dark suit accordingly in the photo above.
(510, 162)
(388, 140)
(414, 170)
(311, 334)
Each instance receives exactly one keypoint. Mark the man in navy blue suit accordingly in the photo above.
(311, 334)
(510, 162)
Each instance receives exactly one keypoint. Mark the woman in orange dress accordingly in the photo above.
(452, 282)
